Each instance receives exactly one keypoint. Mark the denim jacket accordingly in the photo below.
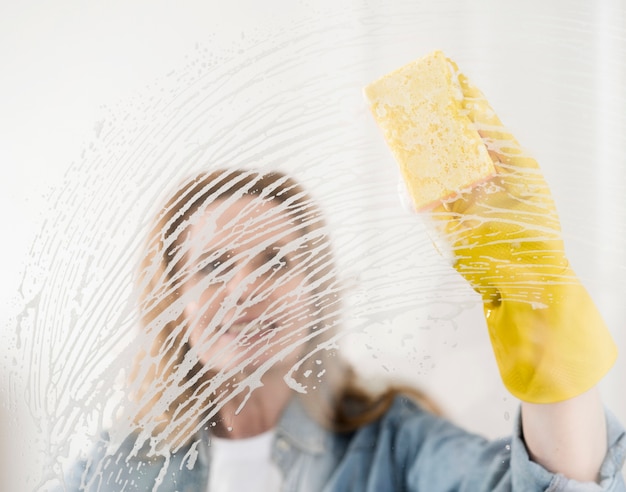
(407, 449)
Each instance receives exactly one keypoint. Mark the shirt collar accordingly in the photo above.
(301, 430)
(295, 427)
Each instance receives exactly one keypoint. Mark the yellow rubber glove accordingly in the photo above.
(549, 339)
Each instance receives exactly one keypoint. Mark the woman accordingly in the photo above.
(242, 388)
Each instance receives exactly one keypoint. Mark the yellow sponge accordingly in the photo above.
(419, 109)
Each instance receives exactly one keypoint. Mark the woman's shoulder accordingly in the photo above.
(408, 409)
(411, 429)
(412, 448)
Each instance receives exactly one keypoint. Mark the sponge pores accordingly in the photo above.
(419, 110)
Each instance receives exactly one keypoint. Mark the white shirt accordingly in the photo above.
(243, 464)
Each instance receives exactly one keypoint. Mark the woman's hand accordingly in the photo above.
(550, 341)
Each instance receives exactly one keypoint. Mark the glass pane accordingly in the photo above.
(113, 308)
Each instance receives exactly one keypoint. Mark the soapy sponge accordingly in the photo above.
(419, 109)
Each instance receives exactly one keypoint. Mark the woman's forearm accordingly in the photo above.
(568, 437)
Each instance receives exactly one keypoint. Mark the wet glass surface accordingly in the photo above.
(104, 118)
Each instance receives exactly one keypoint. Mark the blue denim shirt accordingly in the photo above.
(408, 449)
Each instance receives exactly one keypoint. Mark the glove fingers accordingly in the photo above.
(500, 142)
(477, 107)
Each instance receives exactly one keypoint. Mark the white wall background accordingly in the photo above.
(102, 106)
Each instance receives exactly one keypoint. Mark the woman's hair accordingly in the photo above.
(174, 392)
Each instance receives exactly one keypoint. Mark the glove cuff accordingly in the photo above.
(551, 353)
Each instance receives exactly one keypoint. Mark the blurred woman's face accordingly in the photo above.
(248, 304)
